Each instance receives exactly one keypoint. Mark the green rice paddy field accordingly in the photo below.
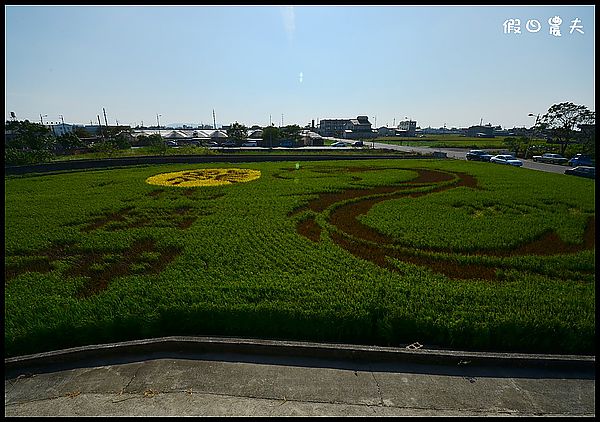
(450, 254)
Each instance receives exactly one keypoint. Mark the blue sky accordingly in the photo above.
(438, 65)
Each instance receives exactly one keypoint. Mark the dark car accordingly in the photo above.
(580, 160)
(478, 155)
(228, 144)
(582, 171)
(358, 144)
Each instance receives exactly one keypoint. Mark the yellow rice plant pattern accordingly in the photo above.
(204, 177)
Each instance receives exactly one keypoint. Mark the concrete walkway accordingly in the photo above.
(205, 376)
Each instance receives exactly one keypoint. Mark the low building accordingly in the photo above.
(386, 131)
(59, 129)
(479, 131)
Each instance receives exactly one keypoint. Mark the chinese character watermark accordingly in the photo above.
(555, 26)
(512, 25)
(533, 25)
(575, 26)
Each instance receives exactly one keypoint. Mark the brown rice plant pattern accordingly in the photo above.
(182, 217)
(341, 210)
(99, 268)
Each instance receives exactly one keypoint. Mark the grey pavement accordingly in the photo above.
(213, 376)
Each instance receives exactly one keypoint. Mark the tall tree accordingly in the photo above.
(291, 132)
(30, 136)
(237, 132)
(271, 136)
(27, 143)
(562, 119)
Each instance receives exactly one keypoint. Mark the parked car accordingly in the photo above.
(228, 144)
(581, 160)
(478, 155)
(339, 144)
(211, 144)
(582, 171)
(171, 143)
(287, 143)
(250, 144)
(358, 144)
(506, 159)
(550, 158)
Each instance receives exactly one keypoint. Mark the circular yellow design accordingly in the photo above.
(204, 177)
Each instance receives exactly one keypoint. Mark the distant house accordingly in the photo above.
(478, 131)
(346, 128)
(386, 131)
(310, 138)
(407, 128)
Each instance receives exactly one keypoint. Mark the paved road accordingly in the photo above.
(461, 154)
(268, 382)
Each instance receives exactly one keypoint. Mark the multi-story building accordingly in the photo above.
(407, 128)
(346, 128)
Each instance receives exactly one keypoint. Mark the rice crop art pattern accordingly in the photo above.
(341, 214)
(204, 177)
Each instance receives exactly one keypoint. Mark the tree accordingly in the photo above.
(157, 144)
(81, 132)
(69, 141)
(587, 139)
(517, 145)
(291, 132)
(28, 143)
(30, 136)
(237, 132)
(271, 136)
(562, 119)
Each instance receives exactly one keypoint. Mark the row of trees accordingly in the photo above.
(271, 135)
(569, 126)
(30, 143)
(27, 142)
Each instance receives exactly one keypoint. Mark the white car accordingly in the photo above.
(339, 144)
(250, 144)
(506, 159)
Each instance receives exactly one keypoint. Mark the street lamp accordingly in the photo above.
(373, 141)
(537, 118)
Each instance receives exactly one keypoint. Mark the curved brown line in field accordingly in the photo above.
(345, 216)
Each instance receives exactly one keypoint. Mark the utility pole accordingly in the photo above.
(270, 133)
(214, 120)
(100, 126)
(281, 119)
(105, 120)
